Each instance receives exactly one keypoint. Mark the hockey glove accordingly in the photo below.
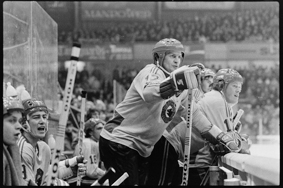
(222, 143)
(228, 142)
(182, 78)
(74, 161)
(79, 169)
(246, 144)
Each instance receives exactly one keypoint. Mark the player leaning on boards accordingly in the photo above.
(35, 153)
(164, 166)
(217, 107)
(155, 101)
(141, 118)
(12, 115)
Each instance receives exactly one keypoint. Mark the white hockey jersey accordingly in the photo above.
(200, 124)
(144, 115)
(35, 161)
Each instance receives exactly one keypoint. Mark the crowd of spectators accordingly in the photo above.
(259, 97)
(260, 93)
(233, 26)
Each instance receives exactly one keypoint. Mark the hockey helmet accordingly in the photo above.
(198, 65)
(32, 105)
(207, 72)
(224, 77)
(11, 101)
(164, 46)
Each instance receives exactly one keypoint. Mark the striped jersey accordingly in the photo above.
(143, 115)
(90, 152)
(35, 161)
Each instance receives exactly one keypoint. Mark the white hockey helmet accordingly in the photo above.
(164, 46)
(224, 77)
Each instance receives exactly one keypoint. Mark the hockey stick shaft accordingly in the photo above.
(81, 133)
(237, 119)
(121, 179)
(64, 115)
(107, 174)
(188, 139)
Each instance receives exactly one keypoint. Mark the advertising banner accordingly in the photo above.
(199, 5)
(253, 51)
(115, 10)
(193, 52)
(100, 52)
(242, 51)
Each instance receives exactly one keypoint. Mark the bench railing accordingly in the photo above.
(249, 170)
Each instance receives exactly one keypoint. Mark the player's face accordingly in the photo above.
(172, 61)
(11, 127)
(97, 130)
(232, 92)
(38, 122)
(206, 84)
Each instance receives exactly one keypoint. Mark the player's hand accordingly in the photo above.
(80, 159)
(228, 142)
(82, 167)
(180, 79)
(246, 144)
(74, 161)
(185, 78)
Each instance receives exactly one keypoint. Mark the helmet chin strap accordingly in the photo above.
(165, 71)
(26, 126)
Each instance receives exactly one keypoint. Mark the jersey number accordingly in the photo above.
(93, 159)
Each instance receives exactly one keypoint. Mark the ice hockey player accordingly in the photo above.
(154, 100)
(164, 167)
(12, 115)
(217, 107)
(35, 153)
(90, 150)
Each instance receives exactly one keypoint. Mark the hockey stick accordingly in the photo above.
(107, 174)
(188, 139)
(236, 120)
(121, 179)
(81, 133)
(64, 115)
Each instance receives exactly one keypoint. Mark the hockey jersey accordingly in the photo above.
(216, 109)
(200, 124)
(143, 115)
(35, 161)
